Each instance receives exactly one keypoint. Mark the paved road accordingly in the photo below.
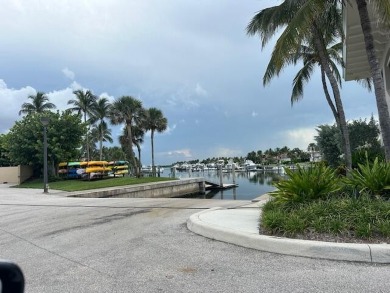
(143, 245)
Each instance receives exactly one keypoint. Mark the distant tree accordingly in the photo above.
(328, 142)
(364, 140)
(39, 103)
(84, 103)
(251, 156)
(114, 153)
(24, 142)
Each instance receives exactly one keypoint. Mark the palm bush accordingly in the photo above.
(316, 182)
(371, 178)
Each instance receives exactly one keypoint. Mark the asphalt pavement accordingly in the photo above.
(143, 245)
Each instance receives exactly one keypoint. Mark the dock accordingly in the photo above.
(214, 186)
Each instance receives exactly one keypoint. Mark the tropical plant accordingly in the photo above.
(128, 110)
(138, 139)
(372, 178)
(83, 103)
(345, 217)
(155, 121)
(39, 103)
(99, 134)
(100, 111)
(306, 36)
(318, 181)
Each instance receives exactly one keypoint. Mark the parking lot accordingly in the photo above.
(143, 245)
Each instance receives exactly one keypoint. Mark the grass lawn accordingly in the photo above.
(77, 185)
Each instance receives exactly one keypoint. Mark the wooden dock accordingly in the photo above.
(214, 186)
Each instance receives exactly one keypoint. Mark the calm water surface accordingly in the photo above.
(250, 184)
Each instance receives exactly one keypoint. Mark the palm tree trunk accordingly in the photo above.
(380, 95)
(153, 167)
(139, 158)
(86, 137)
(101, 148)
(337, 98)
(131, 153)
(328, 97)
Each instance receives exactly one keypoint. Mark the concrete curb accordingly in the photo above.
(213, 226)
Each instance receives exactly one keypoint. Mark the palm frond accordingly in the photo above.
(301, 78)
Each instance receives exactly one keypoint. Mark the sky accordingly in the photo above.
(190, 58)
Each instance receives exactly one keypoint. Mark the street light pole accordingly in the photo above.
(45, 123)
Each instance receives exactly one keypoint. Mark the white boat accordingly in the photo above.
(230, 165)
(250, 166)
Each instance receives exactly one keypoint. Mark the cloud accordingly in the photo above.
(300, 137)
(254, 114)
(200, 90)
(13, 99)
(179, 154)
(68, 73)
(227, 152)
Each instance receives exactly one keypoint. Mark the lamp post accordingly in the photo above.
(45, 123)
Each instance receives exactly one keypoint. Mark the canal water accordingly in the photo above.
(250, 184)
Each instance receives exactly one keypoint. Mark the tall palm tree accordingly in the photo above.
(128, 110)
(303, 24)
(155, 121)
(83, 104)
(39, 103)
(311, 9)
(100, 111)
(382, 7)
(138, 138)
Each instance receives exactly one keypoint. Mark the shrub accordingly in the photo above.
(363, 217)
(309, 184)
(372, 178)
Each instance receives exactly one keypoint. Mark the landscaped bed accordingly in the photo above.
(317, 204)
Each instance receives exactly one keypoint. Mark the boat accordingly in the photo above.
(74, 170)
(118, 168)
(250, 166)
(230, 166)
(96, 169)
(63, 169)
(148, 169)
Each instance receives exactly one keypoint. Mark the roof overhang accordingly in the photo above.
(354, 53)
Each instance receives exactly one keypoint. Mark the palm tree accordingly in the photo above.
(83, 104)
(155, 121)
(39, 103)
(99, 134)
(300, 29)
(128, 110)
(138, 138)
(383, 9)
(100, 111)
